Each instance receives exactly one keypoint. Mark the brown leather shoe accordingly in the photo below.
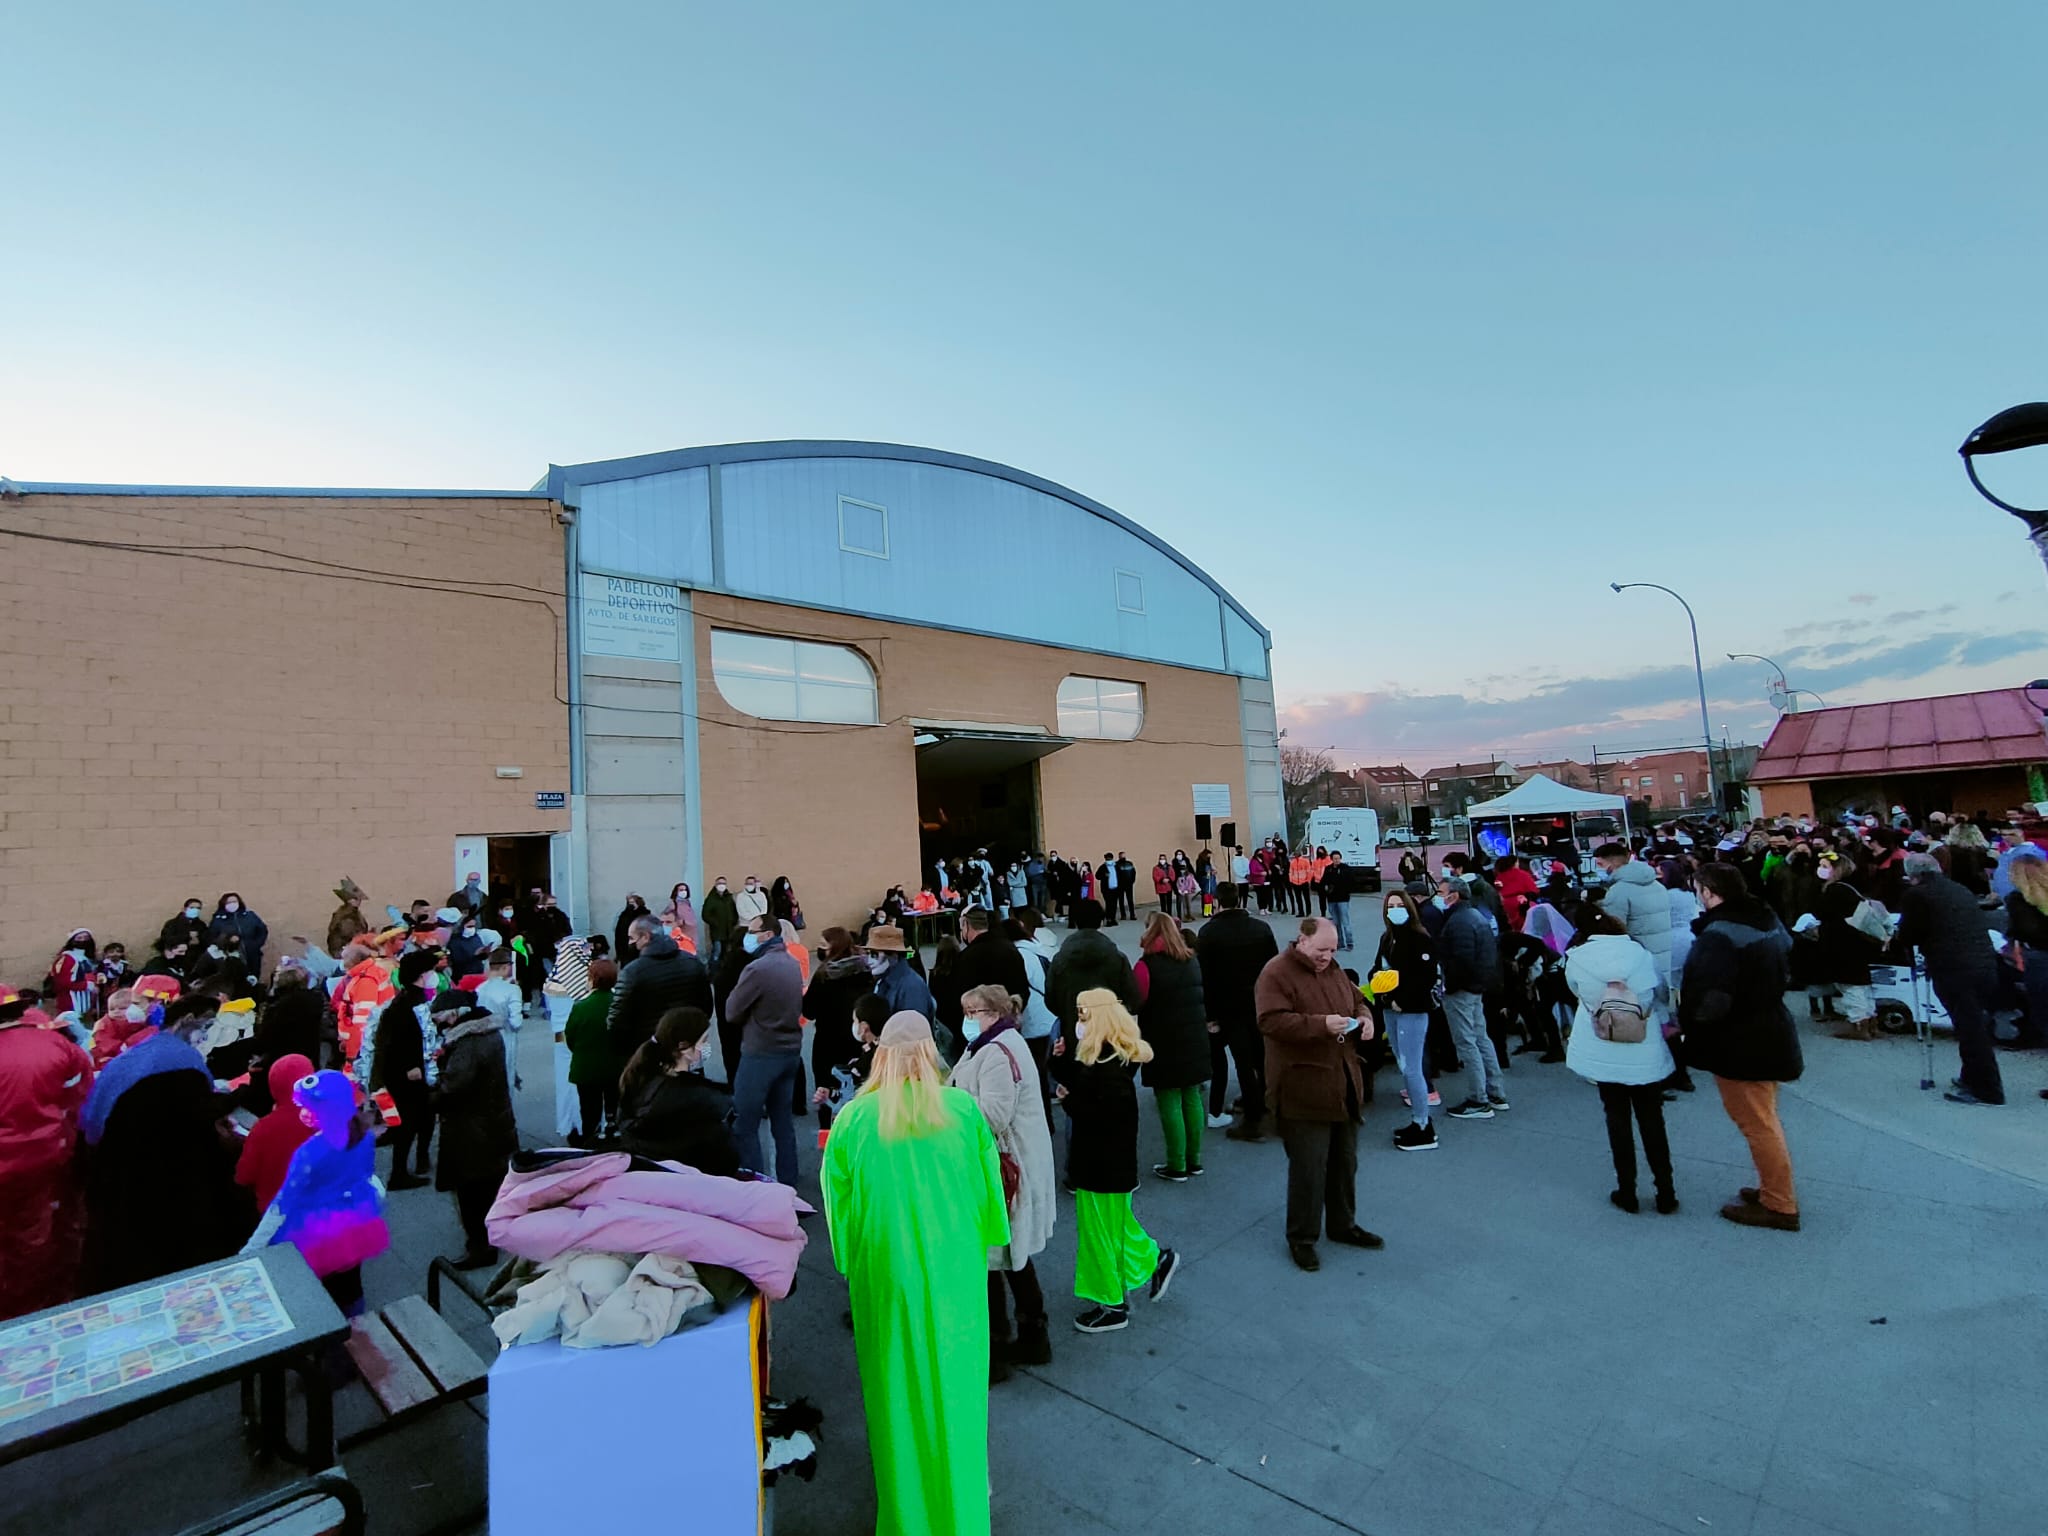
(1743, 1214)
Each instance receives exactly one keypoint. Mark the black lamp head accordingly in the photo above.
(2018, 426)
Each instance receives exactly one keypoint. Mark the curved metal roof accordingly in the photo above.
(564, 479)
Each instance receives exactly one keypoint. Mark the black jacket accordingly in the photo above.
(295, 1021)
(1174, 1022)
(1943, 921)
(1410, 951)
(836, 985)
(1468, 950)
(991, 960)
(190, 931)
(160, 1191)
(626, 916)
(1233, 947)
(245, 925)
(1841, 954)
(400, 1047)
(474, 1105)
(1087, 958)
(1102, 1146)
(683, 1118)
(1732, 996)
(662, 978)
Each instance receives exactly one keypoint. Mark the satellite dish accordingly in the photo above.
(1782, 699)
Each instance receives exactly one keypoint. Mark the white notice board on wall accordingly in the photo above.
(1213, 800)
(640, 619)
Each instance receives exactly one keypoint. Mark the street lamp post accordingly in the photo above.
(1699, 673)
(1784, 687)
(2020, 426)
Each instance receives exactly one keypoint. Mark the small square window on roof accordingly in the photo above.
(863, 528)
(1130, 592)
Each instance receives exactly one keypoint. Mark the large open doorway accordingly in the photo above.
(978, 789)
(518, 865)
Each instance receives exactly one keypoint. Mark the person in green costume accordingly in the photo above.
(914, 1201)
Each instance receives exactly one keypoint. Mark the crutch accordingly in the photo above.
(1923, 1024)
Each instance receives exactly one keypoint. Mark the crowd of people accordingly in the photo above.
(942, 1092)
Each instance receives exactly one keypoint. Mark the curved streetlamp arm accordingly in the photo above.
(1699, 672)
(1752, 656)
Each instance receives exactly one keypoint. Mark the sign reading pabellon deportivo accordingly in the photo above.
(640, 619)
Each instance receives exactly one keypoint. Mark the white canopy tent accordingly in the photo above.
(1539, 795)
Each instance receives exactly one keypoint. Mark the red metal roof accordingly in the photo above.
(1959, 730)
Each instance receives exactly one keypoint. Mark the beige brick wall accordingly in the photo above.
(176, 726)
(835, 808)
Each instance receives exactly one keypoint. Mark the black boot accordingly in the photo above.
(1034, 1343)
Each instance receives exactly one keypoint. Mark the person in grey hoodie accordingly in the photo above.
(767, 1005)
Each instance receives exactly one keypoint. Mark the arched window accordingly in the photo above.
(772, 677)
(1101, 707)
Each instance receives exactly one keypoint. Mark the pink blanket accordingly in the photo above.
(594, 1204)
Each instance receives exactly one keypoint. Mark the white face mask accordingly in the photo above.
(137, 1013)
(233, 906)
(720, 886)
(1397, 915)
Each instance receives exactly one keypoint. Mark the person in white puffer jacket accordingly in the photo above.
(1627, 1073)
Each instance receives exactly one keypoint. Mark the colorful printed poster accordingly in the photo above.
(110, 1341)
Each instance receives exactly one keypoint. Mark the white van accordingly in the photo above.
(1354, 832)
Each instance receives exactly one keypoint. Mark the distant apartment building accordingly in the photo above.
(1448, 790)
(1390, 789)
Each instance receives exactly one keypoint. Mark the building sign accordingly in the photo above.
(1212, 800)
(639, 619)
(548, 800)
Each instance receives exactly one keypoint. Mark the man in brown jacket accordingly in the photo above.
(1308, 1010)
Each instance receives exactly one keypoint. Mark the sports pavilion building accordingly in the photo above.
(831, 660)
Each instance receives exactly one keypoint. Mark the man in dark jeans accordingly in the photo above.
(1233, 948)
(1127, 885)
(1943, 921)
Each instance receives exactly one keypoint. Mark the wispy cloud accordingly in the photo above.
(1658, 706)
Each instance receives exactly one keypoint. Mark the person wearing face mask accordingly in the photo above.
(471, 897)
(1409, 953)
(900, 988)
(44, 1080)
(115, 971)
(751, 902)
(467, 951)
(682, 915)
(767, 1008)
(401, 1049)
(636, 906)
(234, 920)
(721, 916)
(670, 1111)
(185, 929)
(74, 978)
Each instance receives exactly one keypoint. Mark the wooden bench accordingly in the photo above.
(326, 1504)
(412, 1361)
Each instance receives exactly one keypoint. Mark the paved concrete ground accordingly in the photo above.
(1522, 1358)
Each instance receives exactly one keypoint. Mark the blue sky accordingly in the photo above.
(1414, 325)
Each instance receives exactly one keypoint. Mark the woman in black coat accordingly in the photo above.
(478, 1133)
(398, 1065)
(1404, 1013)
(840, 980)
(671, 1111)
(635, 906)
(231, 916)
(295, 1020)
(1173, 1018)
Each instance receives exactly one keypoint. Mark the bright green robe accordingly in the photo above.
(912, 1222)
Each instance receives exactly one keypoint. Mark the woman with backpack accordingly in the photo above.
(1617, 1043)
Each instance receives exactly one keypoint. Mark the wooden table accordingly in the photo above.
(917, 925)
(170, 1339)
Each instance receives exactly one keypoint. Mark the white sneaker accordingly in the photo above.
(1220, 1122)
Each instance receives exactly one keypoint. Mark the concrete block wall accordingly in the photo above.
(193, 720)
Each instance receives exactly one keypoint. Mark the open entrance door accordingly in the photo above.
(518, 865)
(977, 787)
